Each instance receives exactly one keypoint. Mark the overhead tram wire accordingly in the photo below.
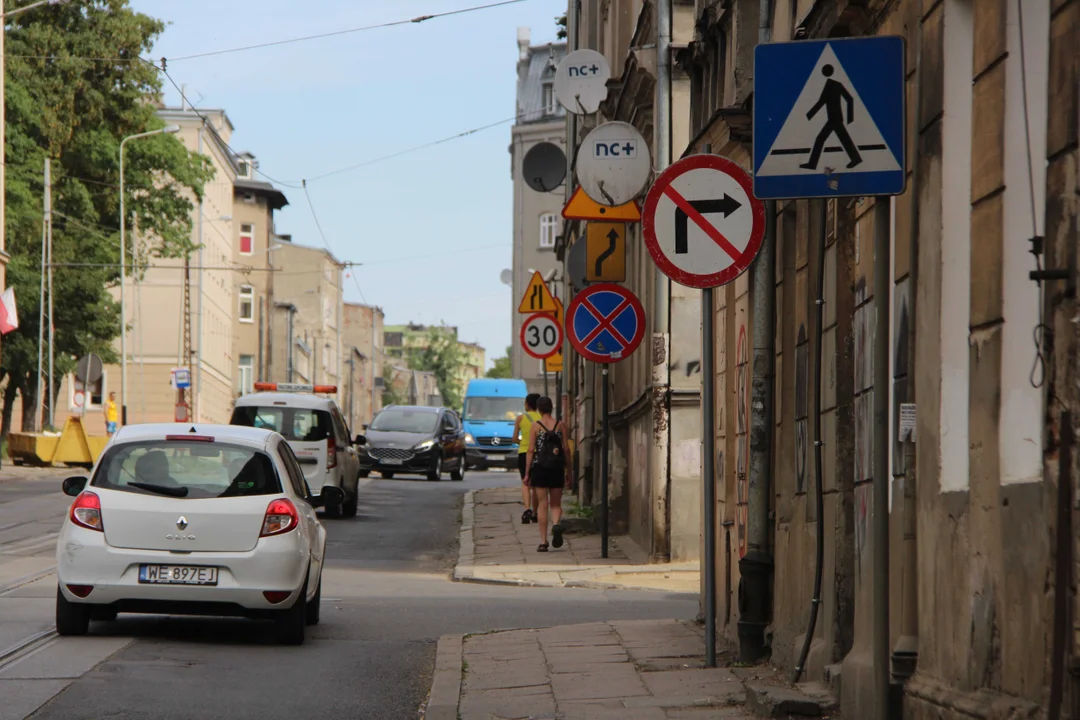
(410, 21)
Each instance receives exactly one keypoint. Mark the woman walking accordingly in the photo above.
(523, 434)
(548, 472)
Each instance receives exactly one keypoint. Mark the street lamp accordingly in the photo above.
(123, 268)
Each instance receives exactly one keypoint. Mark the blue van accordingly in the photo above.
(491, 407)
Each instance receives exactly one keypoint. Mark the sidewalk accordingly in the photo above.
(630, 670)
(497, 548)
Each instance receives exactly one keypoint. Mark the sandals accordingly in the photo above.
(527, 517)
(543, 547)
(556, 536)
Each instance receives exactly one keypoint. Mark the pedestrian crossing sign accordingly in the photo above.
(829, 118)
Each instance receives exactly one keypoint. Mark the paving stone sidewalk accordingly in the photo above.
(497, 548)
(627, 670)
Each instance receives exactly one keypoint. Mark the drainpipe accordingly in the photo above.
(882, 448)
(905, 655)
(756, 567)
(661, 351)
(197, 390)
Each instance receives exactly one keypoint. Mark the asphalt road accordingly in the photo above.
(386, 601)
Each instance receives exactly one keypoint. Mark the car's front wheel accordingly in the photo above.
(291, 623)
(459, 474)
(71, 618)
(435, 474)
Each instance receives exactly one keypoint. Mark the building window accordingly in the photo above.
(247, 304)
(548, 98)
(243, 169)
(548, 225)
(247, 374)
(247, 239)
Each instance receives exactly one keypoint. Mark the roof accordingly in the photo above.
(487, 387)
(275, 197)
(309, 401)
(532, 75)
(423, 408)
(254, 437)
(279, 243)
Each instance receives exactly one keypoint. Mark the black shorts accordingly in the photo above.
(522, 457)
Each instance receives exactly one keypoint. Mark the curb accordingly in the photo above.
(445, 693)
(463, 570)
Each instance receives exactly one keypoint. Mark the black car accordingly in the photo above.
(406, 439)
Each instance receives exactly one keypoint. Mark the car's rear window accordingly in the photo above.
(296, 424)
(186, 469)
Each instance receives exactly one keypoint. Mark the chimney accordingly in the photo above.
(523, 43)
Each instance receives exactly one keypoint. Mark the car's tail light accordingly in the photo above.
(281, 517)
(80, 591)
(331, 452)
(86, 511)
(276, 596)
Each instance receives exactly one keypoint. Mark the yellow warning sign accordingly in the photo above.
(537, 298)
(583, 207)
(605, 252)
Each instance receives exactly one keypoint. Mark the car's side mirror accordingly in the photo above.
(75, 485)
(360, 440)
(331, 496)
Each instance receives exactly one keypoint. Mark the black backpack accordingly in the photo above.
(550, 455)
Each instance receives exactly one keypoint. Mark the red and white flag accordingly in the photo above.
(9, 318)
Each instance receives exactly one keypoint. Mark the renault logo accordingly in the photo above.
(495, 441)
(181, 523)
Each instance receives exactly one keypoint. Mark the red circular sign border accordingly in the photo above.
(635, 304)
(648, 221)
(558, 345)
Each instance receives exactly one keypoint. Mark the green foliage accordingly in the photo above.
(76, 111)
(560, 22)
(443, 357)
(501, 367)
(391, 395)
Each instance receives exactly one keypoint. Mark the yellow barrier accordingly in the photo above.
(71, 447)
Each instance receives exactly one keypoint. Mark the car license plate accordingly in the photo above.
(393, 461)
(178, 575)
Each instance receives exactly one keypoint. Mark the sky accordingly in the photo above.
(433, 228)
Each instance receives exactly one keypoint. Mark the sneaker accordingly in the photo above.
(556, 536)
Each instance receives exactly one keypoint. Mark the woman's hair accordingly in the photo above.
(530, 400)
(544, 405)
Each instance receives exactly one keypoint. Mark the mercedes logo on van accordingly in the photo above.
(495, 441)
(181, 523)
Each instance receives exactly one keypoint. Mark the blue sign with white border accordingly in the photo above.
(830, 118)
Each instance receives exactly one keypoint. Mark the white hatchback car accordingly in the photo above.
(193, 520)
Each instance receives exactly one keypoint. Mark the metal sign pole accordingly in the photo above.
(545, 379)
(558, 396)
(708, 470)
(604, 465)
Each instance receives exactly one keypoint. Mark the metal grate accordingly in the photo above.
(391, 453)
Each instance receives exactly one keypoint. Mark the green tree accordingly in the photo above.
(560, 22)
(444, 357)
(66, 100)
(501, 367)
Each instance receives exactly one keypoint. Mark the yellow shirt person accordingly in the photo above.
(112, 417)
(523, 435)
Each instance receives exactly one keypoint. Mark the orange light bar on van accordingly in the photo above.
(294, 387)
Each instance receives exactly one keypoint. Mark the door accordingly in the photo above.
(454, 439)
(309, 522)
(347, 457)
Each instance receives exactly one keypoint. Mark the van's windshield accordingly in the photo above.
(494, 409)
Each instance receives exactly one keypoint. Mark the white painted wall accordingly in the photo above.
(1025, 171)
(956, 245)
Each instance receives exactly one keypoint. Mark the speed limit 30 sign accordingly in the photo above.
(541, 336)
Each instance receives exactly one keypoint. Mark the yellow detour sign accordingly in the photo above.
(583, 207)
(605, 252)
(537, 298)
(554, 363)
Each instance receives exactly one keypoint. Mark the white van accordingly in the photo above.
(316, 431)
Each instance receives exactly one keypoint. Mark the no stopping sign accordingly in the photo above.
(541, 336)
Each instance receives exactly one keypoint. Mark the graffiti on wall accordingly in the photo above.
(802, 350)
(742, 437)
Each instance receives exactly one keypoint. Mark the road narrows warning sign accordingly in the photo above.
(701, 223)
(537, 297)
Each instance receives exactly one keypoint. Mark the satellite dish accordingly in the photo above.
(506, 277)
(581, 81)
(544, 167)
